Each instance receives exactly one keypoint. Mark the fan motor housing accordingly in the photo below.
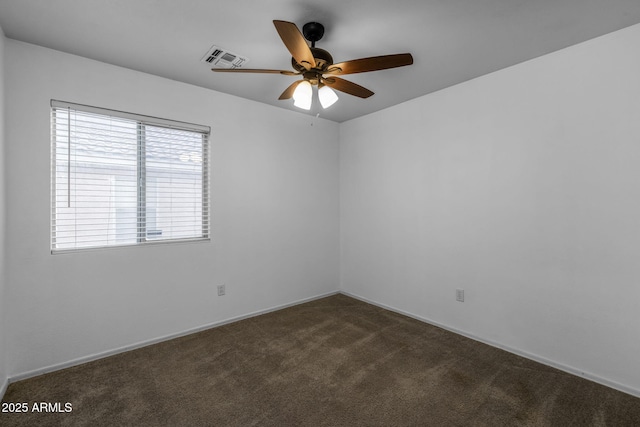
(322, 57)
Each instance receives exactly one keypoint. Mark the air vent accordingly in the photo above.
(222, 58)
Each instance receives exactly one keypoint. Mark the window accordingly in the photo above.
(124, 179)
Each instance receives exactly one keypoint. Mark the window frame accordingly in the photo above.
(142, 121)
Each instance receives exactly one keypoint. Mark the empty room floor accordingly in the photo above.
(335, 361)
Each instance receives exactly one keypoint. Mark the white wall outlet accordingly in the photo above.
(460, 295)
(221, 290)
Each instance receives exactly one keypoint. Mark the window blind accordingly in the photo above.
(125, 179)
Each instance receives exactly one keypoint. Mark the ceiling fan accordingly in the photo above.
(316, 66)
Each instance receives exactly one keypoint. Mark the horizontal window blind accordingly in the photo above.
(125, 179)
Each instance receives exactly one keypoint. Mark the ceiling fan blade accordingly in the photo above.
(254, 70)
(296, 43)
(373, 63)
(288, 92)
(347, 87)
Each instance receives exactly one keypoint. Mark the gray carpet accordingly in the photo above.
(332, 362)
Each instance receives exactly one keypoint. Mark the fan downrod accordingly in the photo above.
(313, 31)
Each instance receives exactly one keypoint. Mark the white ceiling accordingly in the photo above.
(451, 40)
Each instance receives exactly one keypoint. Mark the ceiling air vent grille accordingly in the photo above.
(222, 58)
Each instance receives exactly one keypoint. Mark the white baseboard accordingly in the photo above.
(568, 369)
(536, 358)
(101, 355)
(3, 387)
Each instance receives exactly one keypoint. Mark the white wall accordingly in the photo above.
(3, 327)
(274, 228)
(521, 187)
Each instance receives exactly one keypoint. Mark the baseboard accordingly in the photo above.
(101, 355)
(565, 368)
(3, 387)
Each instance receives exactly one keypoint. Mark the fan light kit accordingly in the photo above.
(302, 95)
(316, 67)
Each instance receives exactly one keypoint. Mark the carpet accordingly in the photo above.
(335, 361)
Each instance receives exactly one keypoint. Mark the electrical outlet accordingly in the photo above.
(221, 290)
(460, 295)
